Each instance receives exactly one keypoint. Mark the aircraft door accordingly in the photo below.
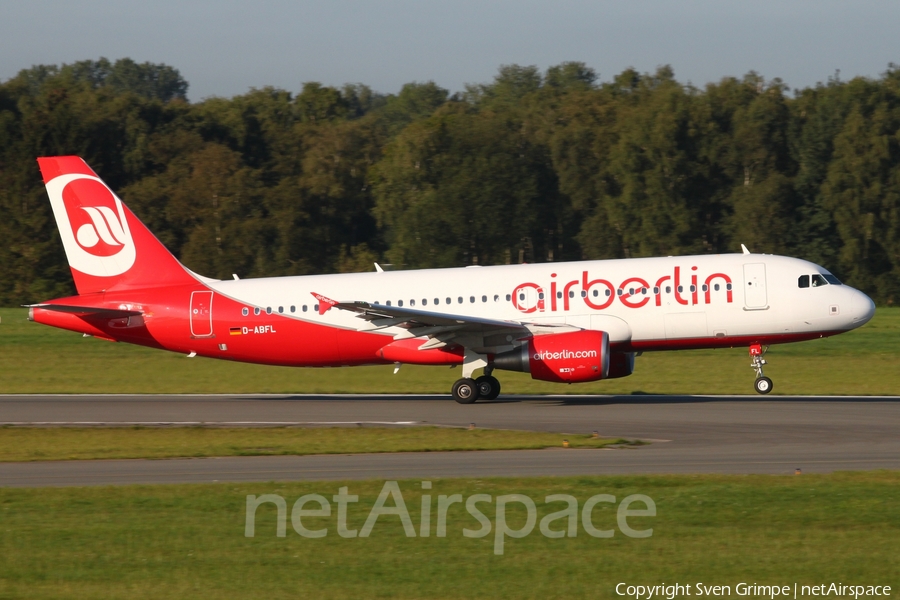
(201, 314)
(755, 286)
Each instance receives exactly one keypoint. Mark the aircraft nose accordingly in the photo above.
(862, 308)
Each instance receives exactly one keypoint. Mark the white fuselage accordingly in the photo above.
(647, 303)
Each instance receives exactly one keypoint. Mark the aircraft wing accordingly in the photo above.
(443, 328)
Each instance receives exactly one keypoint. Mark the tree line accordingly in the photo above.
(531, 167)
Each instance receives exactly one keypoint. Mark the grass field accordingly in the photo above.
(181, 541)
(39, 359)
(65, 443)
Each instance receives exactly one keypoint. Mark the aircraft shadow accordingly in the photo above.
(573, 400)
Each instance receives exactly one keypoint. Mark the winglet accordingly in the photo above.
(324, 303)
(744, 249)
(378, 268)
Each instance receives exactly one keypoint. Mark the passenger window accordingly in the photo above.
(631, 291)
(693, 288)
(245, 311)
(484, 298)
(668, 289)
(388, 303)
(459, 300)
(608, 293)
(559, 294)
(437, 301)
(705, 288)
(304, 308)
(496, 297)
(268, 310)
(424, 301)
(448, 300)
(256, 311)
(656, 289)
(281, 309)
(583, 294)
(293, 308)
(399, 302)
(644, 291)
(619, 292)
(818, 280)
(596, 293)
(472, 299)
(716, 287)
(509, 297)
(571, 294)
(803, 282)
(541, 296)
(316, 307)
(680, 288)
(521, 297)
(412, 302)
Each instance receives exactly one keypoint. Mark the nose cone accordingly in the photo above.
(862, 309)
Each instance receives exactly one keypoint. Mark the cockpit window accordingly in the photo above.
(832, 279)
(803, 281)
(818, 280)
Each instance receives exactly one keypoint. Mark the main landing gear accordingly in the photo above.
(762, 384)
(468, 390)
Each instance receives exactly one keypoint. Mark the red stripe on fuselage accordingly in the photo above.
(278, 339)
(735, 341)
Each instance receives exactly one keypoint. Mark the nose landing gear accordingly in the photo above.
(762, 384)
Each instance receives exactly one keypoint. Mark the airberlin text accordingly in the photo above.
(565, 354)
(686, 289)
(598, 515)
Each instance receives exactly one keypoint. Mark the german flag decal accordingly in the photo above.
(236, 331)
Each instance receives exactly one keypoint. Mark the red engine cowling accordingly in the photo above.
(560, 357)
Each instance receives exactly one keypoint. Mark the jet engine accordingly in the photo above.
(621, 364)
(560, 357)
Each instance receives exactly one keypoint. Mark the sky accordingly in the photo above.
(226, 47)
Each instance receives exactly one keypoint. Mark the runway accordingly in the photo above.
(689, 434)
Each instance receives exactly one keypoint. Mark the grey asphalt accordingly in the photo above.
(689, 434)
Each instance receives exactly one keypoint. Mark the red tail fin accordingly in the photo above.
(107, 246)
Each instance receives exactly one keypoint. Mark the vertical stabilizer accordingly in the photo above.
(106, 245)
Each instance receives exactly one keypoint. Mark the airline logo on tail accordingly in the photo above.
(92, 224)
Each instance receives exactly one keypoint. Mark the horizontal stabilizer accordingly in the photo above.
(88, 311)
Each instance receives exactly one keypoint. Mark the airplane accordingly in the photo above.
(565, 322)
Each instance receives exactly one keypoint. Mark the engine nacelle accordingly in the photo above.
(621, 364)
(560, 357)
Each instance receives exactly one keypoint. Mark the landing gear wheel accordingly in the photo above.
(465, 391)
(488, 387)
(763, 385)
